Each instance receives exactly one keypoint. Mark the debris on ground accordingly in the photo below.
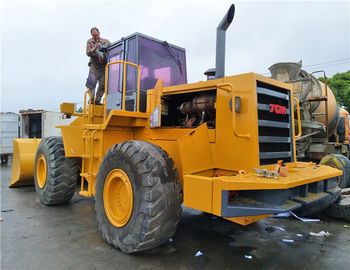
(290, 213)
(321, 234)
(171, 240)
(300, 235)
(346, 226)
(285, 214)
(199, 253)
(288, 240)
(1, 219)
(279, 228)
(305, 219)
(249, 257)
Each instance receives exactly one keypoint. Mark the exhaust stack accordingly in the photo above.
(221, 41)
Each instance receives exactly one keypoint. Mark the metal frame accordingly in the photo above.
(124, 85)
(289, 112)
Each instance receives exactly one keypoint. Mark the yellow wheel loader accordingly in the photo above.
(225, 146)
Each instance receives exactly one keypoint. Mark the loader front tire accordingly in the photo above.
(138, 196)
(55, 175)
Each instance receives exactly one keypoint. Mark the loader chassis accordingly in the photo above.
(217, 153)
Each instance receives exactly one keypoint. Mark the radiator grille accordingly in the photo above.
(275, 124)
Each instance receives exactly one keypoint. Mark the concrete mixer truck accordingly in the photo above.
(325, 126)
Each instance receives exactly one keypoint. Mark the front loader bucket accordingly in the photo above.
(24, 151)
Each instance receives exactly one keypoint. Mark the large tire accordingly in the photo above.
(340, 209)
(342, 163)
(318, 206)
(155, 196)
(55, 175)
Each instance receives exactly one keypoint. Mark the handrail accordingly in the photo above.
(221, 86)
(298, 115)
(89, 103)
(124, 84)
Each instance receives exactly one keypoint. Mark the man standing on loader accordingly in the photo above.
(97, 64)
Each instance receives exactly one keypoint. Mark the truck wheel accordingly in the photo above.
(340, 209)
(138, 196)
(55, 175)
(342, 163)
(318, 206)
(4, 159)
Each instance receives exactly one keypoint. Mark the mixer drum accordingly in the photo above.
(333, 111)
(300, 79)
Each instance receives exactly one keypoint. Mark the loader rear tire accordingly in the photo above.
(145, 180)
(318, 206)
(340, 209)
(55, 175)
(342, 163)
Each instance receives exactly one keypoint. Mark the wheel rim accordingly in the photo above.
(41, 171)
(118, 197)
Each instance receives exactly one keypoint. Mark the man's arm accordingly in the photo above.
(90, 49)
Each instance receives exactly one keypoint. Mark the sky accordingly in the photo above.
(43, 60)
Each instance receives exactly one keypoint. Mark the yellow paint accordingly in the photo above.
(229, 88)
(298, 114)
(198, 194)
(41, 171)
(24, 151)
(118, 197)
(156, 100)
(199, 157)
(69, 108)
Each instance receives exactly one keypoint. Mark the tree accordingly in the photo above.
(80, 110)
(340, 85)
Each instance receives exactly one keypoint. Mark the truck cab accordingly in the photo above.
(156, 59)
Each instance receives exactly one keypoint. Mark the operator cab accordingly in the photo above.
(156, 59)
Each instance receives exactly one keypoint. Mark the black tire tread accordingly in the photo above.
(156, 222)
(62, 173)
(340, 209)
(318, 206)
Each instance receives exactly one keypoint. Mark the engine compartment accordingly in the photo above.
(189, 110)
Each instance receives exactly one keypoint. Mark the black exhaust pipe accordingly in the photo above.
(221, 42)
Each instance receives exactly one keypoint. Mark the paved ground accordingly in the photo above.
(67, 237)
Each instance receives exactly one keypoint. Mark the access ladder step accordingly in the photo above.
(85, 193)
